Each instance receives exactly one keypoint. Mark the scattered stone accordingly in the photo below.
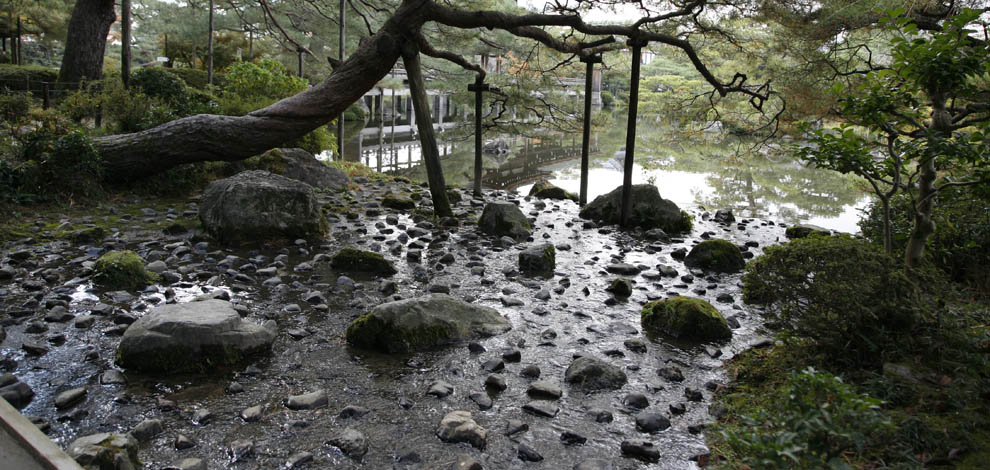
(640, 449)
(570, 438)
(531, 371)
(803, 231)
(147, 429)
(457, 426)
(504, 219)
(546, 190)
(353, 260)
(440, 389)
(600, 415)
(481, 399)
(308, 401)
(424, 323)
(541, 408)
(352, 412)
(620, 287)
(70, 398)
(105, 451)
(298, 459)
(515, 426)
(637, 345)
(189, 463)
(636, 400)
(538, 259)
(184, 442)
(351, 442)
(241, 449)
(253, 413)
(589, 373)
(651, 422)
(495, 382)
(544, 390)
(594, 464)
(527, 453)
(672, 374)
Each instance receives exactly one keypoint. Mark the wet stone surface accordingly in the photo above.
(62, 334)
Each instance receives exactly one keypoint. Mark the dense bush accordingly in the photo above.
(14, 77)
(961, 244)
(156, 82)
(267, 78)
(195, 78)
(843, 296)
(14, 106)
(812, 422)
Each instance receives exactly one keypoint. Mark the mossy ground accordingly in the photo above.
(685, 318)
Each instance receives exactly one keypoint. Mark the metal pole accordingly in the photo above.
(586, 133)
(627, 170)
(340, 118)
(125, 39)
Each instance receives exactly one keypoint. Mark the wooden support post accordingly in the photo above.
(301, 59)
(340, 56)
(46, 97)
(125, 42)
(590, 62)
(381, 126)
(427, 139)
(479, 88)
(627, 168)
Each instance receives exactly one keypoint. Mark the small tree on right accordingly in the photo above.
(919, 124)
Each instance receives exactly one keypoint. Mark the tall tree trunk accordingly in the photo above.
(924, 225)
(86, 40)
(209, 67)
(125, 39)
(229, 138)
(427, 138)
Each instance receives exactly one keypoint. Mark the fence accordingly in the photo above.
(49, 92)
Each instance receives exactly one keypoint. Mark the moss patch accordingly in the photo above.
(354, 260)
(122, 269)
(687, 318)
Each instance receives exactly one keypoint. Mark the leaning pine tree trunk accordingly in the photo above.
(86, 40)
(207, 137)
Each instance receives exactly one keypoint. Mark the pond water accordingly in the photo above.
(698, 170)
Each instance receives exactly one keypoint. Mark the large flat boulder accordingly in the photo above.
(649, 210)
(685, 318)
(424, 323)
(716, 255)
(194, 336)
(258, 206)
(303, 166)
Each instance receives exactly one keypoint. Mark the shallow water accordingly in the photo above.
(584, 323)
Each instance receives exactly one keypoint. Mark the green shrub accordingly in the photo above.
(267, 78)
(14, 106)
(844, 296)
(960, 245)
(159, 83)
(13, 77)
(195, 78)
(317, 141)
(812, 422)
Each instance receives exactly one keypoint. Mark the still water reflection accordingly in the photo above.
(700, 170)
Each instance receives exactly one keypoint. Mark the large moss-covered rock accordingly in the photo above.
(122, 270)
(258, 206)
(194, 336)
(803, 231)
(424, 323)
(105, 451)
(354, 260)
(399, 203)
(545, 190)
(538, 259)
(716, 255)
(504, 219)
(649, 210)
(686, 318)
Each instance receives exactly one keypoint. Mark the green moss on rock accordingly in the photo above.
(354, 260)
(803, 231)
(122, 269)
(686, 318)
(716, 255)
(398, 203)
(620, 287)
(545, 190)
